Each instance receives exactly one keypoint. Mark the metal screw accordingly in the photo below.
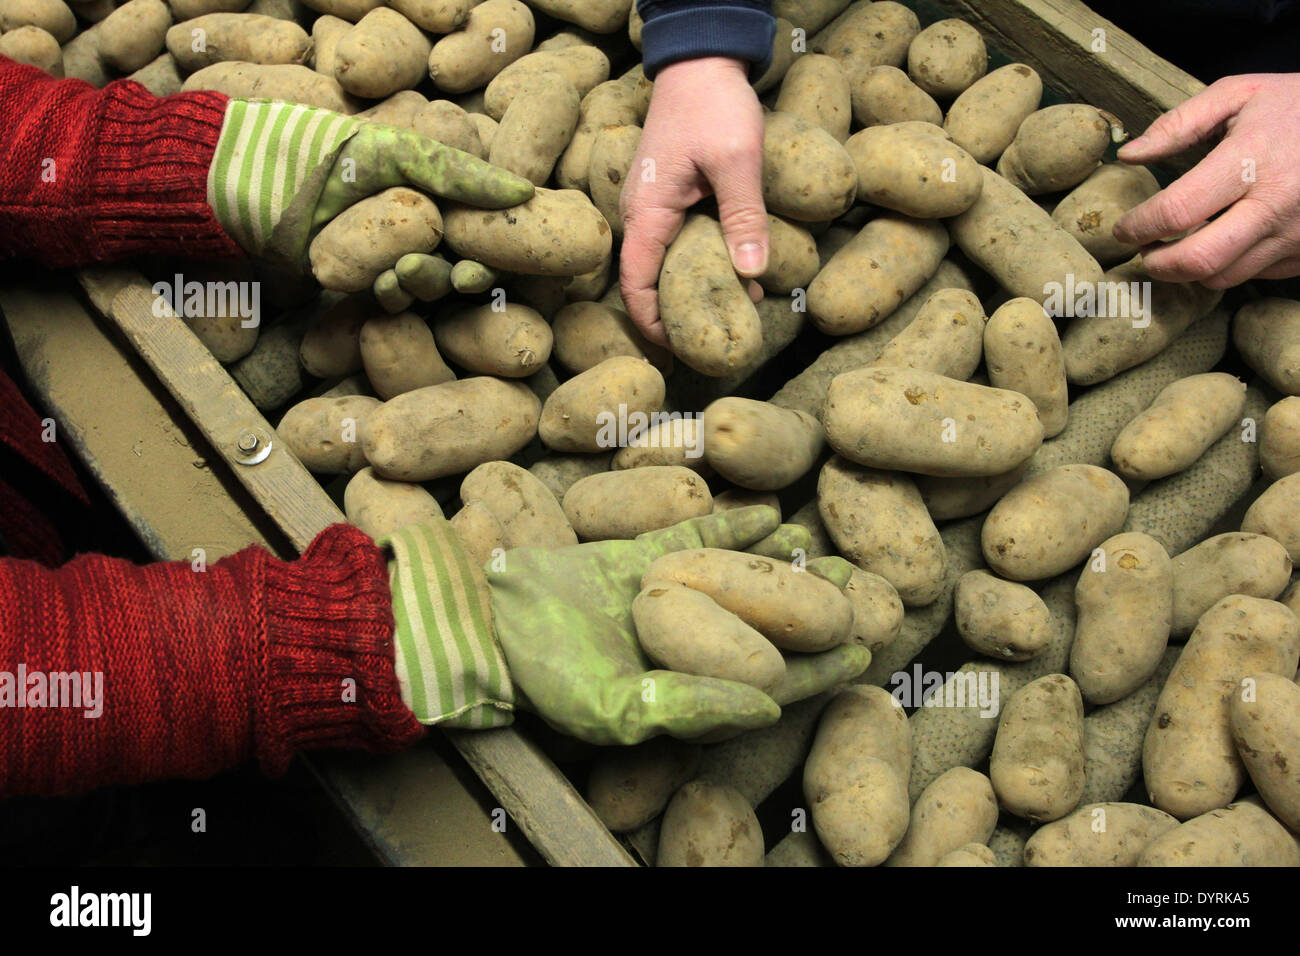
(247, 442)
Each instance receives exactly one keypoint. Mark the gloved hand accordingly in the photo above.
(282, 171)
(564, 620)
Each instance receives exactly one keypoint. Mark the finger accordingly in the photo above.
(1250, 264)
(390, 295)
(739, 191)
(646, 235)
(1189, 122)
(755, 292)
(1212, 248)
(730, 530)
(784, 544)
(426, 277)
(453, 174)
(689, 707)
(470, 278)
(1285, 269)
(834, 569)
(810, 674)
(1211, 185)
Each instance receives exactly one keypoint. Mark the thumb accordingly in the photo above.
(732, 530)
(742, 214)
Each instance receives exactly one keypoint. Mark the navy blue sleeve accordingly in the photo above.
(686, 29)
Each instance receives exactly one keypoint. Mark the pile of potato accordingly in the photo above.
(1056, 492)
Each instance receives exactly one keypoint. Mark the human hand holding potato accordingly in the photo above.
(1250, 181)
(565, 621)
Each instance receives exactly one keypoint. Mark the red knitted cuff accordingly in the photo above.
(328, 665)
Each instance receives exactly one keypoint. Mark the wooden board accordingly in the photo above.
(537, 797)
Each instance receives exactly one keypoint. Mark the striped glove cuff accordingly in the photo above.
(266, 152)
(449, 666)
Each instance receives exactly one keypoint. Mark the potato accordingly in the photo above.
(1056, 148)
(1051, 521)
(1125, 601)
(1098, 834)
(970, 854)
(487, 130)
(816, 89)
(878, 522)
(598, 16)
(350, 10)
(326, 32)
(1266, 333)
(1279, 439)
(787, 47)
(884, 96)
(807, 175)
(291, 84)
(630, 786)
(1009, 236)
(946, 57)
(984, 119)
(383, 53)
(672, 440)
(1240, 834)
(535, 130)
(1130, 328)
(871, 35)
(792, 608)
(584, 413)
(877, 609)
(1189, 761)
(160, 76)
(913, 420)
(1001, 619)
(584, 66)
(855, 777)
(556, 233)
(687, 631)
(480, 533)
(587, 333)
(450, 428)
(511, 342)
(134, 34)
(1037, 762)
(33, 46)
(450, 125)
(711, 322)
(400, 355)
(612, 103)
(370, 236)
(1090, 211)
(1233, 563)
(624, 504)
(560, 472)
(809, 15)
(1264, 716)
(80, 57)
(909, 170)
(792, 261)
(245, 37)
(529, 515)
(1023, 354)
(271, 373)
(946, 337)
(875, 272)
(52, 16)
(434, 16)
(1186, 418)
(379, 507)
(950, 498)
(495, 34)
(324, 433)
(957, 809)
(759, 445)
(612, 154)
(707, 824)
(1276, 513)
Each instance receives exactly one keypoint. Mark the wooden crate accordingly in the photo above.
(285, 506)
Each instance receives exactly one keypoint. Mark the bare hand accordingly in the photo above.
(703, 134)
(1252, 175)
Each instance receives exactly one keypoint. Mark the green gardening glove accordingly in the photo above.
(282, 171)
(564, 620)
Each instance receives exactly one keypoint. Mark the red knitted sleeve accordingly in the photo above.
(91, 175)
(184, 672)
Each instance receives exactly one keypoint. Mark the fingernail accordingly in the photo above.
(749, 258)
